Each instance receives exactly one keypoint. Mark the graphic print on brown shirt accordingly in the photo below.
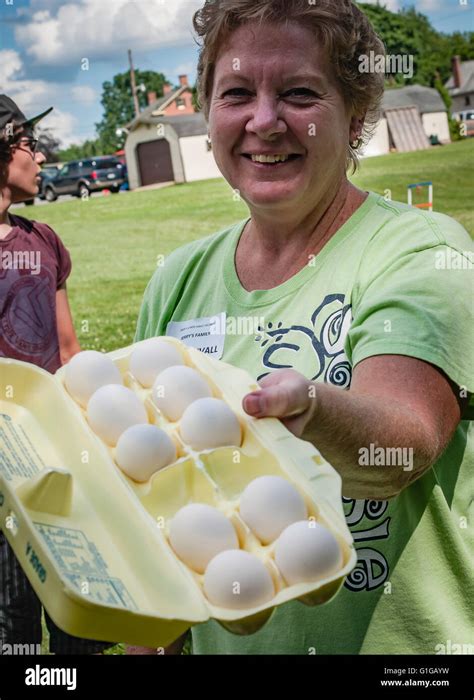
(28, 329)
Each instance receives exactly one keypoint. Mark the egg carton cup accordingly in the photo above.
(94, 543)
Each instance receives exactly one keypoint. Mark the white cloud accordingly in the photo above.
(10, 65)
(430, 5)
(97, 30)
(30, 94)
(83, 94)
(184, 69)
(63, 126)
(392, 5)
(34, 96)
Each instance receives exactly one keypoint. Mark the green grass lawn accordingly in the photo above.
(115, 241)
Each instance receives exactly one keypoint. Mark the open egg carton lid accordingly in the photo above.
(95, 556)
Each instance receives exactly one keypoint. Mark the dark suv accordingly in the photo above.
(48, 172)
(79, 177)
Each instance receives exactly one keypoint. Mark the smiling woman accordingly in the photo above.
(340, 28)
(365, 343)
(287, 109)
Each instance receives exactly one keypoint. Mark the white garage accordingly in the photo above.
(169, 149)
(432, 115)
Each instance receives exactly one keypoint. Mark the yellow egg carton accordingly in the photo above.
(93, 542)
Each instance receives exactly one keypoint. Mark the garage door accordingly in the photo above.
(406, 129)
(154, 162)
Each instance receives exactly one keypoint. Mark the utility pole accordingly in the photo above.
(133, 83)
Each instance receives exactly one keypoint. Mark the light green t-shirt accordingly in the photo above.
(392, 280)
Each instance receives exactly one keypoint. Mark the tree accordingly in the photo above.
(462, 44)
(117, 101)
(48, 145)
(409, 32)
(195, 102)
(84, 150)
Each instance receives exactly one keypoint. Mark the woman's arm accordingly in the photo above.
(68, 343)
(401, 404)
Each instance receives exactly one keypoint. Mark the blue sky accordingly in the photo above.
(43, 44)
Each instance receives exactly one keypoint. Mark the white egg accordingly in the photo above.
(208, 423)
(198, 532)
(151, 357)
(176, 387)
(142, 450)
(113, 409)
(306, 552)
(238, 579)
(269, 504)
(88, 371)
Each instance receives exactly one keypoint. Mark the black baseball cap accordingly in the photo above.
(10, 112)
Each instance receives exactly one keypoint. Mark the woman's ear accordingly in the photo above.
(355, 128)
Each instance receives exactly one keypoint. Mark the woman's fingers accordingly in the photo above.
(283, 394)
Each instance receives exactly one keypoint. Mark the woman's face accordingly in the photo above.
(275, 93)
(23, 170)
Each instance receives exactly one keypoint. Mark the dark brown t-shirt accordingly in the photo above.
(33, 264)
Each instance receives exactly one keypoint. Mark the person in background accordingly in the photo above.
(35, 326)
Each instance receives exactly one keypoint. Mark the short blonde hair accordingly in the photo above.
(344, 30)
